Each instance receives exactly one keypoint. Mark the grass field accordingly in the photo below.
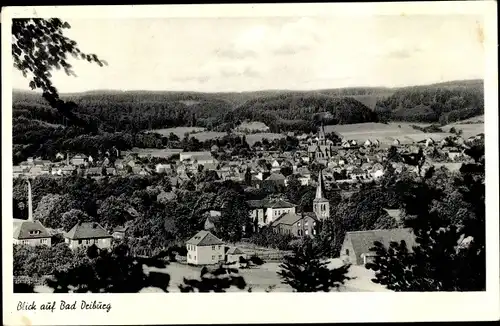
(386, 133)
(260, 278)
(265, 276)
(253, 138)
(179, 131)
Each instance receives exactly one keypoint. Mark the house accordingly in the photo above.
(78, 160)
(357, 245)
(119, 232)
(200, 157)
(275, 166)
(17, 171)
(68, 169)
(396, 142)
(85, 234)
(275, 179)
(30, 232)
(295, 224)
(163, 168)
(233, 255)
(211, 220)
(204, 248)
(265, 211)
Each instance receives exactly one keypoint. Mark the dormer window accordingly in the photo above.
(35, 232)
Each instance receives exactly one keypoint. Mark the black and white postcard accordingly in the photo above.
(266, 163)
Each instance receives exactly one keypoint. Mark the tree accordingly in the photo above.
(38, 47)
(51, 208)
(449, 254)
(115, 211)
(110, 272)
(72, 217)
(306, 271)
(294, 190)
(217, 280)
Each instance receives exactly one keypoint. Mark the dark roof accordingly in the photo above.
(204, 238)
(234, 251)
(87, 230)
(292, 218)
(362, 241)
(120, 229)
(288, 219)
(276, 176)
(279, 204)
(22, 230)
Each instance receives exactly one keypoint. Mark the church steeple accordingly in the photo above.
(319, 188)
(321, 205)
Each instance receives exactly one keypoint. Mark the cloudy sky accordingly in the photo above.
(239, 54)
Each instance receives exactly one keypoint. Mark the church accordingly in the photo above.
(305, 223)
(322, 148)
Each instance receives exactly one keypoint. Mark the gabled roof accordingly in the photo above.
(276, 177)
(23, 229)
(287, 219)
(234, 251)
(204, 238)
(362, 241)
(279, 204)
(87, 230)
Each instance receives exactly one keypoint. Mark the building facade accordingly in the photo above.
(204, 248)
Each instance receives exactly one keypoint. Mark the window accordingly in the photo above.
(189, 256)
(347, 252)
(218, 247)
(79, 241)
(306, 231)
(213, 248)
(194, 257)
(220, 256)
(213, 257)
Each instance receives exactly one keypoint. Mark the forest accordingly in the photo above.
(441, 103)
(122, 117)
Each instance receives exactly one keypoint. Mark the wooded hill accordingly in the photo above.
(281, 110)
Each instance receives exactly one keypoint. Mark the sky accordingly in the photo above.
(247, 54)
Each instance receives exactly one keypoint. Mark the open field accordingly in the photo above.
(265, 276)
(179, 131)
(253, 138)
(386, 133)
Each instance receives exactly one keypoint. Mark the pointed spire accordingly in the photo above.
(30, 202)
(319, 189)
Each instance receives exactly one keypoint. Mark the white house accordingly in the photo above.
(85, 234)
(200, 157)
(204, 248)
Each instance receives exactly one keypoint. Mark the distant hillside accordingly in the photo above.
(301, 110)
(281, 110)
(444, 102)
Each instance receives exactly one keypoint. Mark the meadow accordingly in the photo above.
(387, 133)
(265, 277)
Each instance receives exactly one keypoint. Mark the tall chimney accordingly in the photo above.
(67, 158)
(30, 202)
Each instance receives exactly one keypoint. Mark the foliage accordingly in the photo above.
(38, 47)
(266, 237)
(450, 235)
(42, 260)
(306, 271)
(217, 280)
(110, 272)
(443, 103)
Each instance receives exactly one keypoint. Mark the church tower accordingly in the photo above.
(321, 136)
(321, 205)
